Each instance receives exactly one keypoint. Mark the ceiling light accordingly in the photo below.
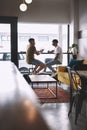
(23, 7)
(28, 1)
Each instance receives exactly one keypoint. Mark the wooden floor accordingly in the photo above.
(56, 114)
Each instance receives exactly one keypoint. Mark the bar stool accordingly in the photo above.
(31, 68)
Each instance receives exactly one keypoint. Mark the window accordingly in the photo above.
(43, 38)
(1, 57)
(43, 35)
(5, 45)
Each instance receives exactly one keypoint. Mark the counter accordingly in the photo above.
(19, 106)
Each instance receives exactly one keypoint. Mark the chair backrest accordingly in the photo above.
(74, 77)
(27, 78)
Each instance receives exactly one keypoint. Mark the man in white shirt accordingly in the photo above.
(58, 56)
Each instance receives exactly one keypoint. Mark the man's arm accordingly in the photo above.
(56, 57)
(52, 51)
(38, 52)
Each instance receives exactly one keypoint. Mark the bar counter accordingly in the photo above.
(19, 106)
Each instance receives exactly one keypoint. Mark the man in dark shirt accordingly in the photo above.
(30, 59)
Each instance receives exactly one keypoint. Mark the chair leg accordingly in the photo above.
(71, 105)
(78, 107)
(71, 101)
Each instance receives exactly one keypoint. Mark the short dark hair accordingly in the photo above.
(55, 41)
(31, 39)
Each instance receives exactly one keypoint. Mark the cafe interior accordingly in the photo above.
(21, 107)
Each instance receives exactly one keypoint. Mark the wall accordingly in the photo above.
(74, 22)
(83, 28)
(53, 11)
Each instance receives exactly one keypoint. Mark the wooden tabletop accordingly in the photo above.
(19, 106)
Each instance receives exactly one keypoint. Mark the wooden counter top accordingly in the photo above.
(19, 106)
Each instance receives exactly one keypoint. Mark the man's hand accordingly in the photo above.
(41, 50)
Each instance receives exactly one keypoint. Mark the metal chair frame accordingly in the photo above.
(76, 95)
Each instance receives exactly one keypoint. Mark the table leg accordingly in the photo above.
(55, 94)
(56, 89)
(47, 85)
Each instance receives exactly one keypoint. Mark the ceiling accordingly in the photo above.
(53, 0)
(5, 3)
(36, 10)
(64, 1)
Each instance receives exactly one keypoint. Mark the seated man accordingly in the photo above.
(58, 56)
(30, 59)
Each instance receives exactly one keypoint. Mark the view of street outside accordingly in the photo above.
(43, 35)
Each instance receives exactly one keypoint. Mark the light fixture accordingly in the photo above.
(28, 1)
(23, 7)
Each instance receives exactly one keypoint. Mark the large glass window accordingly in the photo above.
(43, 35)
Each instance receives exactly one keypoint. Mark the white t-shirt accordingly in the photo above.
(58, 50)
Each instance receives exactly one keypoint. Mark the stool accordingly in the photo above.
(31, 69)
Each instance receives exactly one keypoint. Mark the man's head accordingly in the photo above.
(32, 41)
(55, 42)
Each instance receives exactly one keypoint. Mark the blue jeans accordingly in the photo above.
(47, 60)
(52, 62)
(36, 62)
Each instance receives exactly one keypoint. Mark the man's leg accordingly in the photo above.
(42, 66)
(46, 61)
(39, 66)
(34, 70)
(52, 62)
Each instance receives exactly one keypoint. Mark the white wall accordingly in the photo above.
(82, 14)
(83, 28)
(74, 22)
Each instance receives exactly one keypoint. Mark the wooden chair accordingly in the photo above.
(77, 92)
